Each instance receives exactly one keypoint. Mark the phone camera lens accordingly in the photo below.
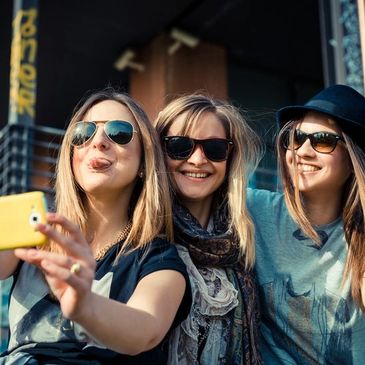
(34, 218)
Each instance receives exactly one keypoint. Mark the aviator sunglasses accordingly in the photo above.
(322, 142)
(182, 147)
(118, 131)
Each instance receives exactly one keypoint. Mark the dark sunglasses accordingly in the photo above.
(322, 142)
(181, 147)
(118, 131)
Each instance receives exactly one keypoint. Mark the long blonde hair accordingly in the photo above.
(244, 157)
(150, 205)
(352, 213)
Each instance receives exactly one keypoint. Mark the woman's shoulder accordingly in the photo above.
(157, 254)
(263, 193)
(160, 254)
(156, 246)
(160, 246)
(260, 198)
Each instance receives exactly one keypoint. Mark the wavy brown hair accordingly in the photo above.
(244, 157)
(353, 197)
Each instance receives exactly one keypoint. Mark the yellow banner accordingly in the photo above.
(23, 71)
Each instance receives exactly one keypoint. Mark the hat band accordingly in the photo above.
(326, 107)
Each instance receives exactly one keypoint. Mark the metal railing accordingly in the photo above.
(28, 157)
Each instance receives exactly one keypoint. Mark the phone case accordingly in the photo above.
(19, 214)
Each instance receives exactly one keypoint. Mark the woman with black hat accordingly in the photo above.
(311, 239)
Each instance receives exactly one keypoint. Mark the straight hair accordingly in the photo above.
(352, 213)
(150, 205)
(244, 158)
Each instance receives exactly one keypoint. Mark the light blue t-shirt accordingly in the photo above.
(307, 317)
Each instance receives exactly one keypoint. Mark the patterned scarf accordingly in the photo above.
(219, 248)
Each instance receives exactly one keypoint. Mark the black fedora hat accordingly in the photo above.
(340, 102)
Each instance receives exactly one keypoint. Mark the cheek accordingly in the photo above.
(172, 168)
(136, 152)
(172, 165)
(221, 168)
(77, 157)
(289, 157)
(75, 160)
(288, 166)
(344, 166)
(129, 156)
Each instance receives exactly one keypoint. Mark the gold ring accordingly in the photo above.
(75, 268)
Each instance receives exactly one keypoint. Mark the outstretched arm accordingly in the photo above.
(8, 263)
(142, 323)
(129, 328)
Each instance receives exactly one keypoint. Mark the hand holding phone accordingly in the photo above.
(19, 214)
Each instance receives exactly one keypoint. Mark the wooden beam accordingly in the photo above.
(188, 70)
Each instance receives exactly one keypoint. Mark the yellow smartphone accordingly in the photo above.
(19, 213)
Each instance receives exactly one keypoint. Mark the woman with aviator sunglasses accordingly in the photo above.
(109, 286)
(209, 147)
(310, 248)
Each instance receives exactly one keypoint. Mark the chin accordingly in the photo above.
(194, 196)
(94, 190)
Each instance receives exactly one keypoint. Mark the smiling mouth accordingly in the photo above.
(307, 168)
(197, 175)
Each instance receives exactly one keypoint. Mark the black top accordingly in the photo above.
(39, 331)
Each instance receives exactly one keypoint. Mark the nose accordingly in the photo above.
(100, 139)
(198, 157)
(306, 149)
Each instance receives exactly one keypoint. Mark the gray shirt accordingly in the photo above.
(307, 316)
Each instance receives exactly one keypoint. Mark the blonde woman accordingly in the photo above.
(209, 147)
(108, 287)
(310, 239)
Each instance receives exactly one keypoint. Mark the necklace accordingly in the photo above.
(121, 236)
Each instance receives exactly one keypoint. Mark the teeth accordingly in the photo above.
(307, 168)
(196, 174)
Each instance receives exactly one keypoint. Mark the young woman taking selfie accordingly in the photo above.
(109, 286)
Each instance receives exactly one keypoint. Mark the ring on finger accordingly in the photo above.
(75, 268)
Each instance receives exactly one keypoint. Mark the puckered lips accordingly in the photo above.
(99, 164)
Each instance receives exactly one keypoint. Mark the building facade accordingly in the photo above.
(259, 56)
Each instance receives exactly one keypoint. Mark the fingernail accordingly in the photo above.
(40, 227)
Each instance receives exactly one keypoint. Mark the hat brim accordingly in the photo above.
(353, 129)
(294, 112)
